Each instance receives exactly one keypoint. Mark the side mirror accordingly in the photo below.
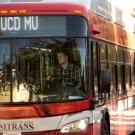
(94, 29)
(105, 81)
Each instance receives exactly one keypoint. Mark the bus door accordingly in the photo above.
(99, 97)
(97, 57)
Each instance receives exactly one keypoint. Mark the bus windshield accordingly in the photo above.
(42, 69)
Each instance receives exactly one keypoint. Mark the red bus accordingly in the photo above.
(101, 102)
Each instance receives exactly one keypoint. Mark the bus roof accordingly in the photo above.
(42, 8)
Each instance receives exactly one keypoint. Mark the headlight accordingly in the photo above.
(76, 126)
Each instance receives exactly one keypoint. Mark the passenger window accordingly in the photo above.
(95, 69)
(133, 66)
(127, 57)
(120, 55)
(120, 70)
(102, 49)
(128, 81)
(121, 81)
(103, 63)
(112, 67)
(103, 55)
(111, 53)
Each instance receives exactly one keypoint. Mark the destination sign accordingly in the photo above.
(43, 25)
(19, 23)
(20, 26)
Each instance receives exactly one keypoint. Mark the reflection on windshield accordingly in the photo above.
(47, 70)
(4, 71)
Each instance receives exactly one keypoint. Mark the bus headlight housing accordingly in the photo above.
(76, 126)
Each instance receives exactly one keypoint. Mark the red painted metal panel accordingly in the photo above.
(40, 110)
(62, 108)
(54, 8)
(17, 111)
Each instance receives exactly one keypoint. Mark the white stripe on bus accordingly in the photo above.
(48, 123)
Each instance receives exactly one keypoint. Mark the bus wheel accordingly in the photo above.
(105, 129)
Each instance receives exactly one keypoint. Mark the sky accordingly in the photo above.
(126, 5)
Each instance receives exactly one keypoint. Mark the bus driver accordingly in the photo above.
(67, 73)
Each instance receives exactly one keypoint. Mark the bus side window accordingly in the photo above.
(120, 70)
(103, 55)
(112, 67)
(128, 81)
(133, 67)
(103, 63)
(95, 60)
(95, 70)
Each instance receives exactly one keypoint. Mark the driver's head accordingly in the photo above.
(62, 57)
